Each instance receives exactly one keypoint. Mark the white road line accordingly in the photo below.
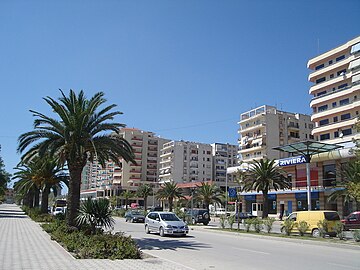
(253, 251)
(344, 266)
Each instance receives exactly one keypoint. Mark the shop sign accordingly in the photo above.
(292, 161)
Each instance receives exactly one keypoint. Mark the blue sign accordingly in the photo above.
(232, 192)
(292, 161)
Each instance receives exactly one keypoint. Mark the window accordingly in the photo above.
(335, 119)
(325, 137)
(345, 116)
(336, 134)
(331, 76)
(341, 72)
(347, 132)
(342, 86)
(329, 175)
(311, 126)
(344, 102)
(322, 108)
(320, 80)
(330, 62)
(340, 58)
(334, 104)
(319, 67)
(324, 122)
(321, 93)
(311, 137)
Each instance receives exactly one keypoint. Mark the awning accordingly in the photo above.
(354, 64)
(355, 48)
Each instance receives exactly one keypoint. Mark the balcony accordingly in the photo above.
(249, 128)
(250, 149)
(334, 126)
(136, 138)
(334, 111)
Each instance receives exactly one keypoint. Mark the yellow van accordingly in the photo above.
(313, 217)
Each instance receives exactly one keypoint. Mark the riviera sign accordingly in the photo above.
(292, 161)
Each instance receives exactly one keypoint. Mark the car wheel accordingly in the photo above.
(315, 233)
(147, 231)
(206, 216)
(161, 232)
(282, 230)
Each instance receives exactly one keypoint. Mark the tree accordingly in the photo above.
(207, 194)
(75, 136)
(27, 191)
(143, 192)
(4, 177)
(45, 175)
(169, 191)
(127, 194)
(349, 184)
(263, 176)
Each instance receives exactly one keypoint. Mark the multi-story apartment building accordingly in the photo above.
(182, 162)
(224, 156)
(266, 127)
(336, 92)
(113, 178)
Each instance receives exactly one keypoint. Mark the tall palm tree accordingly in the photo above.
(169, 192)
(143, 192)
(349, 184)
(263, 176)
(127, 194)
(75, 136)
(207, 194)
(27, 191)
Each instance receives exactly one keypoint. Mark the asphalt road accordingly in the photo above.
(204, 249)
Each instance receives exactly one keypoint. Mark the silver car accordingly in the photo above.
(165, 223)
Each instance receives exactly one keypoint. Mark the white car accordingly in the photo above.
(165, 223)
(59, 210)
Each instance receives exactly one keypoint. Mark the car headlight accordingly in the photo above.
(169, 226)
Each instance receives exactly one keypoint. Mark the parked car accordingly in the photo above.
(199, 216)
(58, 210)
(313, 217)
(134, 216)
(156, 209)
(165, 223)
(352, 221)
(243, 215)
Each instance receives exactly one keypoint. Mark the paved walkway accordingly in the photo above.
(24, 245)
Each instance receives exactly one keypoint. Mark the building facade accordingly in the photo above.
(183, 161)
(335, 79)
(266, 127)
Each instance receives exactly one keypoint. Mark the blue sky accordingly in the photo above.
(183, 69)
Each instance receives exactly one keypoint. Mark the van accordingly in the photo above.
(313, 217)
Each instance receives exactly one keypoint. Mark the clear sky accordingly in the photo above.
(183, 69)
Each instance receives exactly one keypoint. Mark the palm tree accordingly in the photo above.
(349, 184)
(27, 191)
(127, 194)
(263, 176)
(76, 136)
(143, 192)
(169, 192)
(45, 175)
(207, 194)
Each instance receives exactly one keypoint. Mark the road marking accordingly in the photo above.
(344, 266)
(254, 251)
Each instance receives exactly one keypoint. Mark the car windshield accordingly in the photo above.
(169, 217)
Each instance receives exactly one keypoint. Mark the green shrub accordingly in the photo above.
(339, 229)
(323, 226)
(119, 212)
(302, 226)
(268, 223)
(257, 224)
(231, 221)
(247, 224)
(287, 227)
(223, 221)
(356, 235)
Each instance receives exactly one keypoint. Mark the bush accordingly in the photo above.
(323, 226)
(288, 225)
(356, 235)
(339, 229)
(222, 221)
(231, 221)
(257, 224)
(247, 224)
(269, 222)
(119, 212)
(302, 226)
(98, 246)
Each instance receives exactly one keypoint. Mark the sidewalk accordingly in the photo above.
(24, 245)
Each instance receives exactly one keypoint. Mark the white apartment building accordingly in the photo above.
(336, 92)
(113, 177)
(266, 127)
(224, 156)
(182, 162)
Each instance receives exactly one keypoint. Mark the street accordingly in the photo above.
(204, 249)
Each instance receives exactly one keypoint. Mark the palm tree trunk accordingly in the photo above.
(145, 203)
(170, 204)
(30, 199)
(73, 200)
(45, 199)
(265, 205)
(37, 198)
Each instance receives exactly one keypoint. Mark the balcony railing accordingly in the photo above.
(337, 91)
